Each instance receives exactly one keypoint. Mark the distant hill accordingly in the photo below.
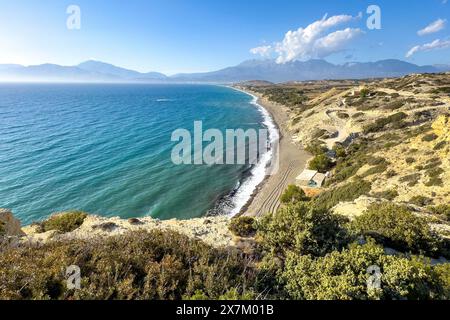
(269, 70)
(109, 69)
(255, 83)
(251, 70)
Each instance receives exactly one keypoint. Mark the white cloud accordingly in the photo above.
(433, 27)
(436, 44)
(335, 42)
(263, 51)
(313, 41)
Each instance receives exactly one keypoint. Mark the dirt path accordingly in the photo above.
(339, 126)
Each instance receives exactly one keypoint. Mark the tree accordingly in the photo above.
(344, 276)
(398, 227)
(293, 194)
(303, 229)
(242, 226)
(321, 163)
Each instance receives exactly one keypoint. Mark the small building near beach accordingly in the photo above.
(311, 179)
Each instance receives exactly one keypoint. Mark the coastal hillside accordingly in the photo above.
(390, 136)
(383, 211)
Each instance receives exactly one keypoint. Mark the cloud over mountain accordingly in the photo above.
(313, 41)
(263, 51)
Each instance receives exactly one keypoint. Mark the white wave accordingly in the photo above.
(260, 170)
(165, 100)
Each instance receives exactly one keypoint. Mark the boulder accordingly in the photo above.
(9, 225)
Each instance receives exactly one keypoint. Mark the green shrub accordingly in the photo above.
(391, 173)
(139, 265)
(442, 210)
(340, 150)
(396, 120)
(303, 229)
(375, 170)
(443, 271)
(321, 163)
(243, 226)
(421, 201)
(434, 175)
(364, 93)
(398, 227)
(388, 194)
(440, 145)
(2, 228)
(293, 194)
(433, 163)
(343, 115)
(347, 192)
(434, 182)
(375, 161)
(430, 137)
(64, 222)
(316, 148)
(411, 179)
(395, 105)
(344, 276)
(410, 160)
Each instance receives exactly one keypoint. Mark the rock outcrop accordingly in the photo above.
(9, 225)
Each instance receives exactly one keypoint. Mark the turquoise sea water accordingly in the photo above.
(106, 149)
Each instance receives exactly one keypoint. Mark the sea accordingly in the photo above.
(106, 149)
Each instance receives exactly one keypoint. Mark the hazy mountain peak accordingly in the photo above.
(265, 70)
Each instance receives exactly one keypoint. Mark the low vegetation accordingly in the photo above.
(293, 194)
(344, 275)
(396, 121)
(2, 228)
(243, 226)
(442, 210)
(140, 265)
(348, 192)
(321, 163)
(388, 194)
(64, 222)
(399, 228)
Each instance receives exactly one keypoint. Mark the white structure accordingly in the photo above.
(311, 179)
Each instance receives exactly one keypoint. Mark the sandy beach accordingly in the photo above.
(292, 161)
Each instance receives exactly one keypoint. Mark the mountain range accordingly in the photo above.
(268, 70)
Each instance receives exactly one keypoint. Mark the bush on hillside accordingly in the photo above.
(316, 148)
(396, 120)
(321, 163)
(421, 201)
(243, 226)
(303, 229)
(64, 222)
(388, 194)
(442, 210)
(348, 192)
(429, 137)
(399, 228)
(344, 276)
(293, 194)
(139, 265)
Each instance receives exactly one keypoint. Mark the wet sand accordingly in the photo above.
(292, 161)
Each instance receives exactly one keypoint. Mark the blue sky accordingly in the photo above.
(174, 36)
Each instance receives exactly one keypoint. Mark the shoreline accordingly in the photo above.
(291, 161)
